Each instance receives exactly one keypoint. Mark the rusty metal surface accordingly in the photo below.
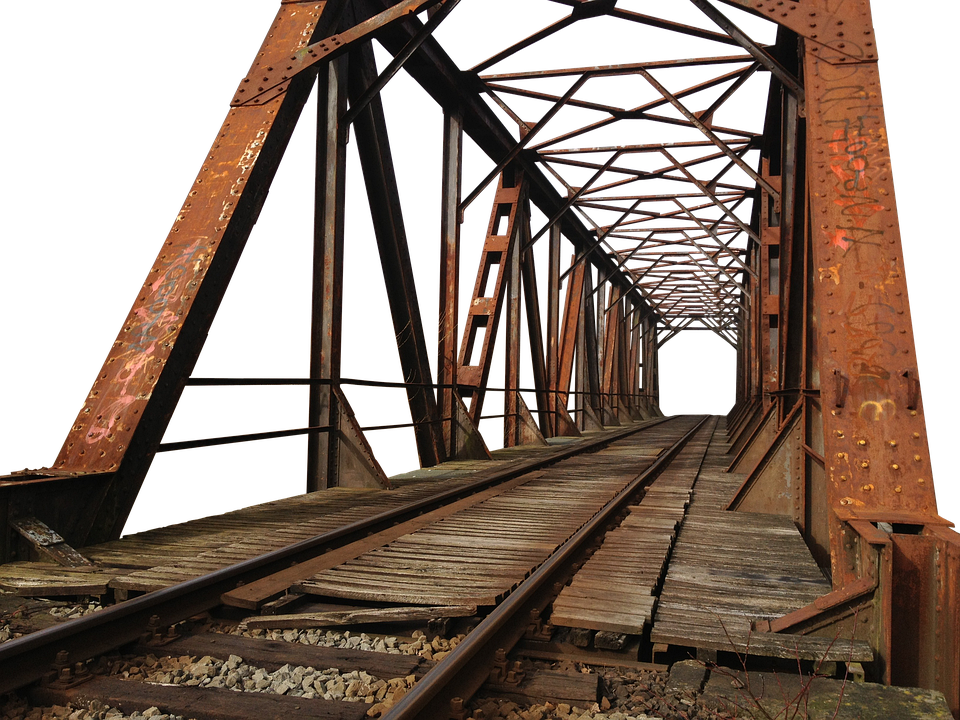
(131, 401)
(875, 436)
(489, 290)
(778, 234)
(914, 606)
(383, 194)
(26, 659)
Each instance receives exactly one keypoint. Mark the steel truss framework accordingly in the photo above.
(782, 239)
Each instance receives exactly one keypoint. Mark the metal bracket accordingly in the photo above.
(153, 636)
(66, 675)
(913, 389)
(48, 542)
(841, 387)
(498, 673)
(263, 85)
(538, 629)
(516, 674)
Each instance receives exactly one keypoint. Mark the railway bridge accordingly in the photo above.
(641, 170)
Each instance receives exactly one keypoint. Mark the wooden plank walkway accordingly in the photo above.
(614, 590)
(155, 559)
(479, 554)
(730, 568)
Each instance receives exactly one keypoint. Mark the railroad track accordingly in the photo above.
(503, 574)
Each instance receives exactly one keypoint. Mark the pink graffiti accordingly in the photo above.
(153, 317)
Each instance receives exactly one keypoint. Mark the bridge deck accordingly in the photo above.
(479, 554)
(700, 574)
(164, 556)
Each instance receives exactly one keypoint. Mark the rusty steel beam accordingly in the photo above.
(829, 423)
(326, 328)
(483, 317)
(122, 421)
(449, 276)
(433, 69)
(531, 303)
(376, 160)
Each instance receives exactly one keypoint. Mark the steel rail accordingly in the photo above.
(27, 659)
(430, 697)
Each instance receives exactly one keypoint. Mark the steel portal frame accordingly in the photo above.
(795, 259)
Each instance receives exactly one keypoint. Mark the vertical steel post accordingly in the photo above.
(591, 345)
(570, 346)
(325, 329)
(376, 161)
(553, 325)
(609, 380)
(511, 361)
(449, 275)
(651, 388)
(531, 303)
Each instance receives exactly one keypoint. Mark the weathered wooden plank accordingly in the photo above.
(372, 583)
(415, 595)
(464, 574)
(199, 703)
(631, 624)
(477, 542)
(439, 566)
(723, 571)
(803, 647)
(612, 566)
(543, 685)
(359, 616)
(634, 582)
(415, 553)
(616, 594)
(52, 587)
(638, 604)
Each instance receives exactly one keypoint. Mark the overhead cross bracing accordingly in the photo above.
(792, 253)
(656, 156)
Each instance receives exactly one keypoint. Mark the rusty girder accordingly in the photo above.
(777, 232)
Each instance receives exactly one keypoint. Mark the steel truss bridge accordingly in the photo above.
(737, 182)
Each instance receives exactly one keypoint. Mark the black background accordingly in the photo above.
(110, 118)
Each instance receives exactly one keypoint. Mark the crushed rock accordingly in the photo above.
(295, 681)
(417, 644)
(57, 609)
(233, 674)
(13, 707)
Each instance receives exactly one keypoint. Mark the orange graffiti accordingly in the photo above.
(849, 164)
(830, 273)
